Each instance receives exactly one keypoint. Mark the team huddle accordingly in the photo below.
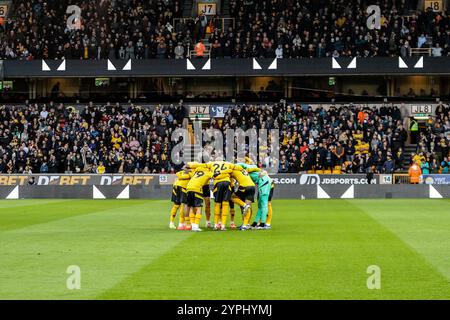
(232, 184)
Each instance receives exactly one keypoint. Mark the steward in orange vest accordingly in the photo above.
(414, 173)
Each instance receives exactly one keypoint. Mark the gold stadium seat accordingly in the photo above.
(337, 170)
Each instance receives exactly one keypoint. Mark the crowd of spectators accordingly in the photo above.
(107, 29)
(351, 139)
(433, 147)
(335, 28)
(98, 139)
(262, 28)
(111, 138)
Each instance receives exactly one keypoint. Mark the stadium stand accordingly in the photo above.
(284, 29)
(349, 139)
(113, 138)
(104, 139)
(110, 29)
(433, 147)
(335, 28)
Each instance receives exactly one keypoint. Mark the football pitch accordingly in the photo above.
(317, 249)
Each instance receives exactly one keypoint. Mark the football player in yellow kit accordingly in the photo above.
(194, 197)
(245, 195)
(221, 171)
(207, 199)
(178, 194)
(269, 207)
(234, 199)
(222, 192)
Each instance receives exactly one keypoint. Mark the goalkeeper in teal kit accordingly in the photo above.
(264, 183)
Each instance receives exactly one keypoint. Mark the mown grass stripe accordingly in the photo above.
(107, 245)
(424, 227)
(36, 212)
(317, 249)
(21, 203)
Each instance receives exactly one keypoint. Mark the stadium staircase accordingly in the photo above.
(188, 8)
(407, 150)
(225, 9)
(189, 12)
(228, 22)
(192, 150)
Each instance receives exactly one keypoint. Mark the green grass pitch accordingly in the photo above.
(317, 249)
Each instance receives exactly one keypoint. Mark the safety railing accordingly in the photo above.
(401, 178)
(193, 54)
(224, 23)
(420, 51)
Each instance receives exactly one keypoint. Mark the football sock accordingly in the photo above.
(269, 213)
(187, 219)
(232, 213)
(198, 218)
(192, 216)
(173, 212)
(225, 207)
(216, 213)
(181, 214)
(247, 217)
